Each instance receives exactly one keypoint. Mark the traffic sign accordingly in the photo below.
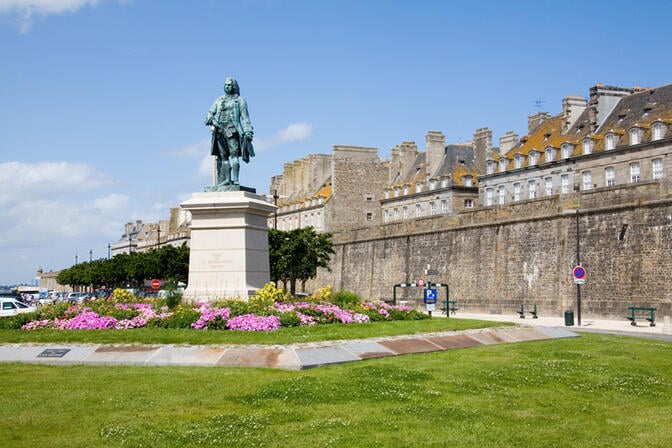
(579, 274)
(430, 295)
(432, 272)
(421, 282)
(156, 283)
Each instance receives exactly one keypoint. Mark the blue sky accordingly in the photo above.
(102, 102)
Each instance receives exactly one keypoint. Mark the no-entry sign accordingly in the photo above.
(156, 284)
(579, 274)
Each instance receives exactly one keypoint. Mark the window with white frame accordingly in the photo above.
(567, 150)
(396, 214)
(518, 160)
(564, 183)
(444, 181)
(658, 131)
(468, 203)
(489, 193)
(467, 180)
(386, 216)
(634, 172)
(502, 194)
(444, 206)
(534, 157)
(587, 145)
(407, 189)
(635, 136)
(610, 143)
(432, 208)
(587, 180)
(549, 154)
(491, 166)
(502, 164)
(369, 216)
(405, 212)
(548, 186)
(657, 168)
(418, 210)
(532, 189)
(516, 191)
(610, 176)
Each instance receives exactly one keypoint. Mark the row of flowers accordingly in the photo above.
(230, 315)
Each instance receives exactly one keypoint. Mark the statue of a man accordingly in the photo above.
(231, 133)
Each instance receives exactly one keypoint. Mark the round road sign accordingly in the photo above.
(579, 272)
(421, 282)
(156, 284)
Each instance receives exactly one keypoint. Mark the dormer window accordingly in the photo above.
(550, 154)
(534, 157)
(418, 187)
(397, 191)
(610, 142)
(588, 144)
(636, 135)
(502, 164)
(444, 181)
(658, 131)
(387, 193)
(467, 180)
(407, 189)
(567, 150)
(518, 160)
(433, 184)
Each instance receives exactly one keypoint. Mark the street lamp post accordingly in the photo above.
(90, 255)
(158, 237)
(129, 243)
(109, 247)
(275, 213)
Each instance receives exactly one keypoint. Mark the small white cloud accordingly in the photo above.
(25, 11)
(111, 202)
(47, 179)
(292, 133)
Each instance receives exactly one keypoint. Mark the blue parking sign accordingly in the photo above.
(430, 295)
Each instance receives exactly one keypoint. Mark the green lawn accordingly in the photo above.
(592, 391)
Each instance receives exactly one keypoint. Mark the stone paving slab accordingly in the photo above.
(186, 356)
(320, 356)
(274, 358)
(367, 350)
(123, 354)
(408, 346)
(454, 341)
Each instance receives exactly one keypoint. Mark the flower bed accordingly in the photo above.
(225, 315)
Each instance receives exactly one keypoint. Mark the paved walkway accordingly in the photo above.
(309, 355)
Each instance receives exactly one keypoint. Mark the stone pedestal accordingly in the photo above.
(229, 245)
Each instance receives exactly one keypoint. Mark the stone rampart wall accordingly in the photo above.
(498, 258)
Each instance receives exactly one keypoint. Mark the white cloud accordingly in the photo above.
(292, 133)
(193, 151)
(111, 202)
(26, 11)
(47, 179)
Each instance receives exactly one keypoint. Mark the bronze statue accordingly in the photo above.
(231, 134)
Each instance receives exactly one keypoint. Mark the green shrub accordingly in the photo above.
(173, 299)
(346, 299)
(289, 320)
(15, 322)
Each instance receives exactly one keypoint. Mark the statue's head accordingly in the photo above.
(231, 86)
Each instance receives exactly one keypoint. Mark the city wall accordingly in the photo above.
(497, 258)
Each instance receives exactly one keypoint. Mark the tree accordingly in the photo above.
(297, 254)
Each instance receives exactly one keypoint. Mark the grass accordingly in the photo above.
(592, 391)
(282, 336)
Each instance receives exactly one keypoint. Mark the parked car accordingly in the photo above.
(9, 306)
(79, 297)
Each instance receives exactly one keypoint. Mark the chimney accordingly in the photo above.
(572, 108)
(507, 142)
(603, 100)
(128, 228)
(534, 121)
(435, 142)
(482, 148)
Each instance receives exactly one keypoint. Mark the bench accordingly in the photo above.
(449, 306)
(534, 313)
(650, 310)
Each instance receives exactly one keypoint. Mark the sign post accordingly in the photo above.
(430, 300)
